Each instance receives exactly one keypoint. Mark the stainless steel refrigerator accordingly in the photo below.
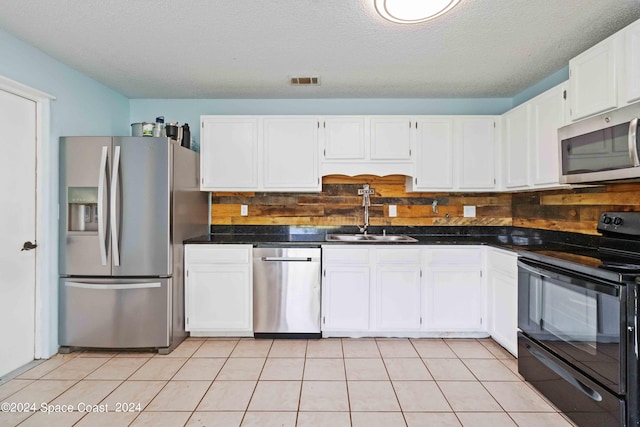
(126, 205)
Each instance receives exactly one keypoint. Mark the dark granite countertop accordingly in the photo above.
(511, 238)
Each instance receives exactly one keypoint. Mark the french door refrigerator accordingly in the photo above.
(126, 205)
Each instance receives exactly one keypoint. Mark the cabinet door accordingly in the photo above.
(397, 297)
(434, 147)
(218, 297)
(476, 142)
(291, 153)
(345, 298)
(503, 300)
(592, 79)
(515, 125)
(391, 138)
(547, 116)
(454, 298)
(229, 153)
(344, 138)
(632, 64)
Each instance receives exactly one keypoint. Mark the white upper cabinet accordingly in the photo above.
(229, 153)
(631, 73)
(546, 117)
(530, 141)
(454, 153)
(515, 137)
(593, 79)
(344, 138)
(434, 154)
(476, 154)
(259, 153)
(370, 145)
(391, 138)
(606, 76)
(291, 153)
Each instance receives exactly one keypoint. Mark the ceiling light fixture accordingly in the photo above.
(413, 11)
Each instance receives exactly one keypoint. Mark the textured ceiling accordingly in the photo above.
(249, 48)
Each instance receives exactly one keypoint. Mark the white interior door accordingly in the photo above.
(17, 226)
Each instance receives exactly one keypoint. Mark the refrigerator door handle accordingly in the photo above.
(114, 207)
(113, 287)
(101, 185)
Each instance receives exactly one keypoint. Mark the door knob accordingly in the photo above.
(28, 246)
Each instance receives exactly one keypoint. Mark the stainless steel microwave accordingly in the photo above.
(601, 148)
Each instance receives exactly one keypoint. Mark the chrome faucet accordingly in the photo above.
(366, 202)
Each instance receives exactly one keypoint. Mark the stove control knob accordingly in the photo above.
(606, 220)
(617, 221)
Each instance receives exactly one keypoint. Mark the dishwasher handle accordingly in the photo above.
(286, 259)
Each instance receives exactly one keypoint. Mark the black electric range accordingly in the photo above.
(578, 324)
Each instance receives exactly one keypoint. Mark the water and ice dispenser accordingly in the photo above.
(83, 208)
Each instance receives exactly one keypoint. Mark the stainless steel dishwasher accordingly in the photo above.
(286, 292)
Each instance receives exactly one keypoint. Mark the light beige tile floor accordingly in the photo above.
(246, 382)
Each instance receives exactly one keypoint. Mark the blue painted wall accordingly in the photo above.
(189, 110)
(545, 84)
(82, 106)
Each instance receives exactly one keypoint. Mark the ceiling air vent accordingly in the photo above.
(304, 81)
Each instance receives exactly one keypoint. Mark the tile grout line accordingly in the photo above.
(304, 366)
(346, 380)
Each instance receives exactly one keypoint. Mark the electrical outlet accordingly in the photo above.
(393, 211)
(244, 210)
(469, 211)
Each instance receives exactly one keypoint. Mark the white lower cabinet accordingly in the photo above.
(454, 299)
(454, 290)
(402, 291)
(345, 288)
(345, 298)
(397, 289)
(502, 292)
(218, 290)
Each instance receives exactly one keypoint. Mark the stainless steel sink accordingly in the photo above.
(369, 238)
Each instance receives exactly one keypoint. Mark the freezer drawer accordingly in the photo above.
(581, 399)
(123, 313)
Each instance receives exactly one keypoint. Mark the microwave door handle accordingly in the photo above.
(633, 142)
(101, 225)
(114, 207)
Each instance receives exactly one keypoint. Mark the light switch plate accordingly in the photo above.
(244, 210)
(393, 211)
(469, 211)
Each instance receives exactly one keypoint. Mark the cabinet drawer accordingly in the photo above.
(398, 256)
(345, 255)
(217, 254)
(454, 256)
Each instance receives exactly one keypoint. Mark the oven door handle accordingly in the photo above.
(591, 393)
(567, 278)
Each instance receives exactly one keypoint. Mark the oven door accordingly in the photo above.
(579, 319)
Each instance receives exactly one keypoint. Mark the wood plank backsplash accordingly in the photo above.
(339, 204)
(575, 210)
